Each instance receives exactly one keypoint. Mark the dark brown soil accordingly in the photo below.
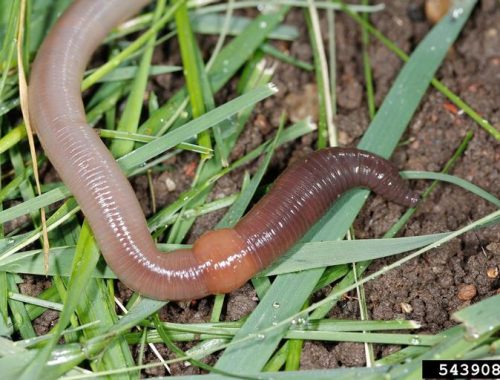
(428, 289)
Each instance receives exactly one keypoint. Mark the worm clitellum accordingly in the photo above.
(220, 260)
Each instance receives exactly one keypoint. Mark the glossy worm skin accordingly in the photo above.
(220, 260)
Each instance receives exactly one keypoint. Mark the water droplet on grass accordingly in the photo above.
(301, 321)
(416, 341)
(456, 13)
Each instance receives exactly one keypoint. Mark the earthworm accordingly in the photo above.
(220, 260)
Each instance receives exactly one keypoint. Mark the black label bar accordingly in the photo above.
(461, 369)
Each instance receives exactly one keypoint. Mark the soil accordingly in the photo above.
(430, 288)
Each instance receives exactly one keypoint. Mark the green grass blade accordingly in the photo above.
(36, 301)
(5, 330)
(136, 137)
(95, 305)
(454, 180)
(267, 48)
(34, 204)
(408, 353)
(294, 351)
(130, 72)
(9, 45)
(84, 263)
(327, 253)
(316, 330)
(12, 137)
(9, 105)
(480, 318)
(327, 134)
(20, 317)
(367, 69)
(241, 4)
(193, 68)
(338, 373)
(49, 294)
(456, 342)
(129, 121)
(194, 127)
(213, 23)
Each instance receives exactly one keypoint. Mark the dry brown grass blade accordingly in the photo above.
(23, 95)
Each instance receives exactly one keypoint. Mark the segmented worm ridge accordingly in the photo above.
(220, 260)
(305, 191)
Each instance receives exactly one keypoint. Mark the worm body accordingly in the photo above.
(220, 260)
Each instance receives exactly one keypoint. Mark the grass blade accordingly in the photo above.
(129, 121)
(454, 180)
(481, 318)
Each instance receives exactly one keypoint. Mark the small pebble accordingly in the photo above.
(467, 292)
(304, 104)
(406, 308)
(263, 125)
(492, 272)
(436, 9)
(170, 184)
(493, 247)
